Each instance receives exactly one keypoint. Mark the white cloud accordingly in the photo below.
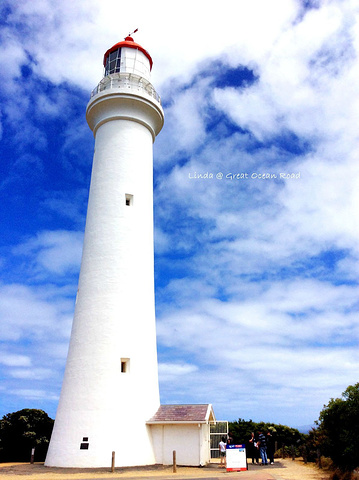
(54, 251)
(13, 360)
(168, 372)
(31, 374)
(285, 336)
(288, 313)
(302, 82)
(13, 50)
(35, 329)
(329, 186)
(162, 241)
(60, 29)
(33, 394)
(29, 312)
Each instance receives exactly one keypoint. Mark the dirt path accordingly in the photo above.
(281, 470)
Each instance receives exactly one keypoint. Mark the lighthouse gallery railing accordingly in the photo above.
(125, 81)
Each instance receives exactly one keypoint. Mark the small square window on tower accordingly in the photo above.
(85, 443)
(125, 365)
(129, 200)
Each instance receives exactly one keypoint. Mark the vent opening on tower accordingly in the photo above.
(125, 365)
(129, 200)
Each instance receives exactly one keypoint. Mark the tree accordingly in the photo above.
(283, 435)
(338, 425)
(23, 430)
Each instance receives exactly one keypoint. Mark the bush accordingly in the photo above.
(339, 475)
(22, 431)
(285, 436)
(337, 433)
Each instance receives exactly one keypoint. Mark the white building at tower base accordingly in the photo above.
(184, 429)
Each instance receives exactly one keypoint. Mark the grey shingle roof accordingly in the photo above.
(183, 414)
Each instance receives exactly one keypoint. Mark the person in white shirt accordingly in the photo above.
(222, 452)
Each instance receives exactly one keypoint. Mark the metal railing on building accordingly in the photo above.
(126, 82)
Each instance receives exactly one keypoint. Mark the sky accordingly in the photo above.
(255, 197)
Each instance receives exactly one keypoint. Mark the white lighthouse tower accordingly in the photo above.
(110, 387)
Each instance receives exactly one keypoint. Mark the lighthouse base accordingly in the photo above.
(132, 445)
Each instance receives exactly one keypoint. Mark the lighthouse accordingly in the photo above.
(110, 387)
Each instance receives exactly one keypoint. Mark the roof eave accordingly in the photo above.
(178, 422)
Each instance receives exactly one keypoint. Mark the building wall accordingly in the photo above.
(190, 441)
(114, 321)
(205, 444)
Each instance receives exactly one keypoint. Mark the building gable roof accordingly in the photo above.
(202, 413)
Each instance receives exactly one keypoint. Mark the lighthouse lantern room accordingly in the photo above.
(128, 57)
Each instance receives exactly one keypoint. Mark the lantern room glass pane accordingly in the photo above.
(113, 62)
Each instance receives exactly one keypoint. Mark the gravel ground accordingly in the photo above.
(282, 470)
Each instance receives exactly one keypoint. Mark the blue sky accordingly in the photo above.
(255, 197)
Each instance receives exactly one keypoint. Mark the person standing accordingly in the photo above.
(270, 447)
(253, 448)
(222, 452)
(262, 448)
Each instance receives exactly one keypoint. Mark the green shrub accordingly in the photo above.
(22, 431)
(337, 433)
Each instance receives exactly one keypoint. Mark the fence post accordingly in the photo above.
(174, 462)
(283, 450)
(319, 457)
(293, 452)
(32, 455)
(113, 462)
(305, 454)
